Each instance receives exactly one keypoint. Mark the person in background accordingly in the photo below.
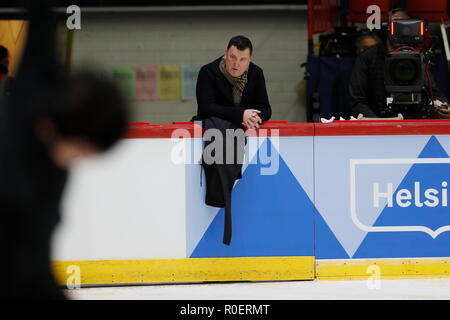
(48, 123)
(5, 80)
(4, 62)
(341, 95)
(365, 41)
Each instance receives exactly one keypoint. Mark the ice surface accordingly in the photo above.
(288, 290)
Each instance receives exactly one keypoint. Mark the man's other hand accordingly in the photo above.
(443, 113)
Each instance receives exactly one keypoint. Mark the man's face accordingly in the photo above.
(64, 152)
(67, 152)
(365, 44)
(237, 61)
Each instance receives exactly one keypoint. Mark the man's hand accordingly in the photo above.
(443, 113)
(251, 119)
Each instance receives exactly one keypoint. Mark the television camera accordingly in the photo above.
(407, 77)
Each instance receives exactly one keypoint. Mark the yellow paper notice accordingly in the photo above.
(169, 82)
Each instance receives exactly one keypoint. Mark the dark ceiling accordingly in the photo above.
(149, 3)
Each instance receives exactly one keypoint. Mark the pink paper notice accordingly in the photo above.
(146, 83)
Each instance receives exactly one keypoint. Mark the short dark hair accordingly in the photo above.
(91, 108)
(398, 10)
(363, 36)
(241, 43)
(3, 52)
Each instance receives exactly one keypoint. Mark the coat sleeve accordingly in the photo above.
(358, 88)
(207, 105)
(262, 98)
(437, 93)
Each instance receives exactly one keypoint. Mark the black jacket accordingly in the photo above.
(367, 89)
(341, 96)
(31, 185)
(215, 99)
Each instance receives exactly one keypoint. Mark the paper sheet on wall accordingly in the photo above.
(124, 79)
(189, 82)
(169, 82)
(146, 83)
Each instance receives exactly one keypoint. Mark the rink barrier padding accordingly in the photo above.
(362, 269)
(107, 272)
(306, 221)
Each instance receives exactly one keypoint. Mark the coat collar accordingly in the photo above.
(223, 83)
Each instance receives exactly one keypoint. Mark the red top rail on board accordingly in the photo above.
(286, 129)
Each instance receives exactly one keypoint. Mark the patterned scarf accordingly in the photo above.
(238, 83)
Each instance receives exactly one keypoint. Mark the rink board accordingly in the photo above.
(333, 199)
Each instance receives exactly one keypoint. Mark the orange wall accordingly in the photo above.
(12, 36)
